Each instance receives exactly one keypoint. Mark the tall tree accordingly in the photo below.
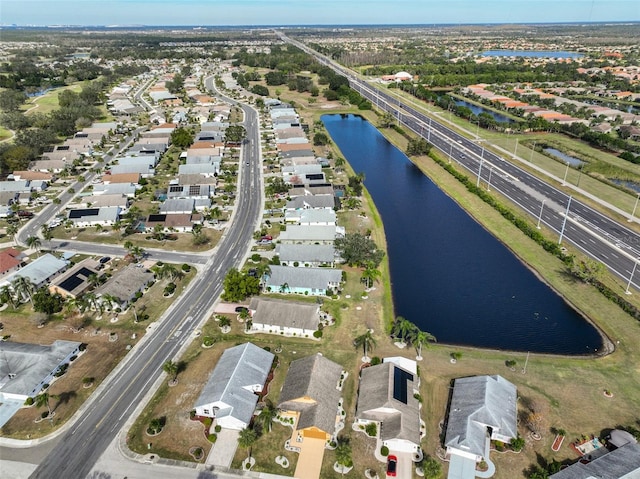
(43, 399)
(422, 338)
(370, 274)
(247, 438)
(171, 368)
(267, 415)
(367, 342)
(24, 288)
(34, 242)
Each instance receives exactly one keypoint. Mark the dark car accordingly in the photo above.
(241, 309)
(104, 259)
(392, 462)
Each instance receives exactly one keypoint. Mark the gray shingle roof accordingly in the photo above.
(274, 312)
(126, 282)
(478, 402)
(312, 378)
(624, 463)
(316, 201)
(30, 363)
(310, 278)
(302, 253)
(238, 369)
(308, 233)
(376, 402)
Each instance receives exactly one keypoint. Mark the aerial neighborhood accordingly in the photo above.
(199, 253)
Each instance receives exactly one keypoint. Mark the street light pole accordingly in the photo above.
(489, 182)
(635, 265)
(564, 222)
(564, 180)
(450, 151)
(515, 152)
(634, 209)
(532, 151)
(479, 172)
(429, 134)
(540, 215)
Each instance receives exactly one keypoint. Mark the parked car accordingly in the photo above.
(392, 463)
(25, 214)
(104, 259)
(241, 309)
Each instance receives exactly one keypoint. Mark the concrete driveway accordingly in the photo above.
(222, 452)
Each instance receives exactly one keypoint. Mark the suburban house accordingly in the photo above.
(190, 191)
(482, 408)
(40, 271)
(75, 281)
(124, 285)
(386, 398)
(175, 206)
(311, 217)
(284, 317)
(127, 189)
(111, 177)
(105, 216)
(311, 394)
(307, 281)
(26, 368)
(231, 393)
(101, 201)
(204, 169)
(622, 463)
(10, 260)
(305, 255)
(179, 222)
(311, 202)
(310, 234)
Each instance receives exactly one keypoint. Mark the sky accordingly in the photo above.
(312, 12)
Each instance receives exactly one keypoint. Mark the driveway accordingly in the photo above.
(310, 458)
(222, 452)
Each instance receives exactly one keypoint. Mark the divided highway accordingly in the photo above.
(597, 235)
(110, 407)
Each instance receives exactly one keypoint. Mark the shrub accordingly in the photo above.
(192, 414)
(371, 429)
(218, 428)
(207, 422)
(212, 438)
(418, 397)
(28, 401)
(186, 268)
(375, 360)
(88, 380)
(73, 358)
(517, 443)
(44, 414)
(510, 363)
(82, 347)
(317, 334)
(384, 451)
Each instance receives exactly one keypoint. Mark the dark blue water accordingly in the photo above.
(478, 109)
(531, 54)
(449, 275)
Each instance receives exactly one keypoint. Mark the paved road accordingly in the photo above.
(596, 234)
(109, 408)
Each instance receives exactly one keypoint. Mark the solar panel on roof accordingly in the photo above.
(400, 380)
(157, 217)
(72, 282)
(84, 212)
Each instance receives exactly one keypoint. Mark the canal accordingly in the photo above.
(449, 276)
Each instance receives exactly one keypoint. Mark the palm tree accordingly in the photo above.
(343, 452)
(137, 252)
(215, 212)
(267, 415)
(224, 322)
(367, 342)
(35, 243)
(370, 274)
(169, 271)
(422, 338)
(171, 368)
(404, 330)
(247, 438)
(47, 234)
(7, 296)
(94, 280)
(284, 287)
(109, 301)
(12, 230)
(23, 288)
(41, 400)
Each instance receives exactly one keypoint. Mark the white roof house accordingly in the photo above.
(309, 234)
(307, 281)
(480, 404)
(311, 202)
(231, 393)
(24, 368)
(104, 216)
(311, 217)
(40, 271)
(127, 189)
